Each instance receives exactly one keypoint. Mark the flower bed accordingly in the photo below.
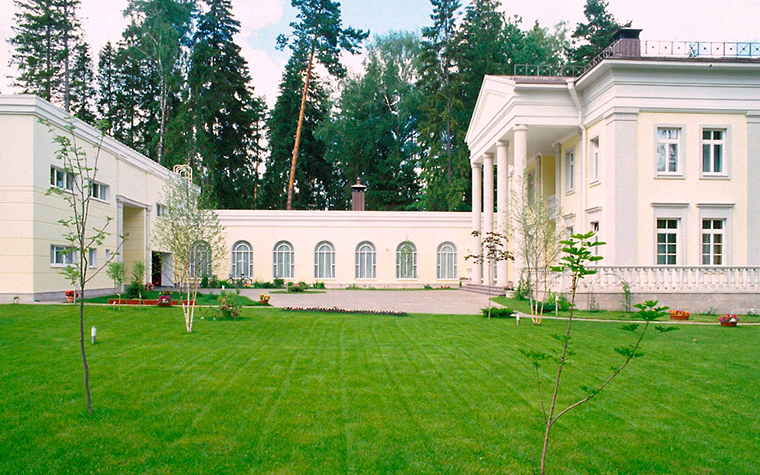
(344, 310)
(143, 302)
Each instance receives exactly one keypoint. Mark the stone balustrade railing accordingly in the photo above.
(672, 279)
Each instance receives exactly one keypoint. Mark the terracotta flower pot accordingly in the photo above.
(728, 324)
(70, 299)
(679, 317)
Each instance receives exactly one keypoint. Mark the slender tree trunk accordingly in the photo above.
(301, 113)
(84, 354)
(162, 121)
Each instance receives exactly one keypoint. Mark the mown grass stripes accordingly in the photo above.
(303, 393)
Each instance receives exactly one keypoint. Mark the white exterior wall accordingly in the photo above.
(29, 216)
(345, 230)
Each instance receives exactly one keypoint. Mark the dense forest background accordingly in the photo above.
(176, 88)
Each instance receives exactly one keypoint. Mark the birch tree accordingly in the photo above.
(192, 234)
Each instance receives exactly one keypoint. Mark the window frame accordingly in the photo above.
(570, 171)
(324, 258)
(200, 258)
(66, 177)
(237, 255)
(725, 142)
(438, 259)
(92, 257)
(99, 191)
(677, 211)
(283, 248)
(594, 160)
(404, 257)
(680, 171)
(666, 234)
(717, 211)
(361, 256)
(67, 254)
(713, 233)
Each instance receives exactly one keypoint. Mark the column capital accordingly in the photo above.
(502, 143)
(520, 127)
(488, 157)
(476, 166)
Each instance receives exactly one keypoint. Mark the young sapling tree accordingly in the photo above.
(74, 182)
(192, 234)
(494, 250)
(578, 255)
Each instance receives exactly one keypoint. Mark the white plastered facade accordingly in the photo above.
(605, 127)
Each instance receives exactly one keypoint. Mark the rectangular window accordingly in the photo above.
(108, 255)
(667, 242)
(594, 160)
(595, 228)
(713, 151)
(61, 179)
(668, 149)
(160, 210)
(92, 257)
(61, 256)
(99, 191)
(712, 241)
(570, 170)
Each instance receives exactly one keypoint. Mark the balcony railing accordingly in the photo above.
(630, 48)
(673, 279)
(659, 279)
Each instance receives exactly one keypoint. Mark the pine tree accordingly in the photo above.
(223, 108)
(592, 37)
(314, 176)
(107, 81)
(445, 167)
(82, 88)
(317, 35)
(46, 32)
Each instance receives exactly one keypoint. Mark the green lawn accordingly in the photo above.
(300, 393)
(524, 306)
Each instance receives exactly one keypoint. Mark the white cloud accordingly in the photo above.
(255, 14)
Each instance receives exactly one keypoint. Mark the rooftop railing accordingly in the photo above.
(634, 48)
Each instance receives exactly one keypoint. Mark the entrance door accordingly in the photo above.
(155, 269)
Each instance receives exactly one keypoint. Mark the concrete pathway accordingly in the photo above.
(449, 302)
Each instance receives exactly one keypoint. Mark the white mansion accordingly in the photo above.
(656, 145)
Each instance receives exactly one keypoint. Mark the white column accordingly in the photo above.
(477, 191)
(119, 230)
(488, 207)
(520, 159)
(502, 200)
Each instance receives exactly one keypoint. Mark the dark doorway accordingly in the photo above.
(155, 269)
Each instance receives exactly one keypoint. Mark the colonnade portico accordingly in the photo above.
(483, 186)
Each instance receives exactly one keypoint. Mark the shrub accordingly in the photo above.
(318, 285)
(204, 282)
(504, 312)
(523, 290)
(279, 283)
(133, 290)
(295, 287)
(229, 304)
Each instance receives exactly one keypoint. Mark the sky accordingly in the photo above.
(262, 20)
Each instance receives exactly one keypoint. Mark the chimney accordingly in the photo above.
(626, 43)
(357, 196)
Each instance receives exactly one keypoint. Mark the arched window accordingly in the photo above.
(283, 260)
(324, 261)
(200, 260)
(406, 261)
(365, 260)
(447, 261)
(241, 264)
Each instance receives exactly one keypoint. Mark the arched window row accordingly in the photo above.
(365, 258)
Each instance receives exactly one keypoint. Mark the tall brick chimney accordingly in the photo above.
(357, 196)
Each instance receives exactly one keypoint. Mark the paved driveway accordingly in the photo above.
(452, 302)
